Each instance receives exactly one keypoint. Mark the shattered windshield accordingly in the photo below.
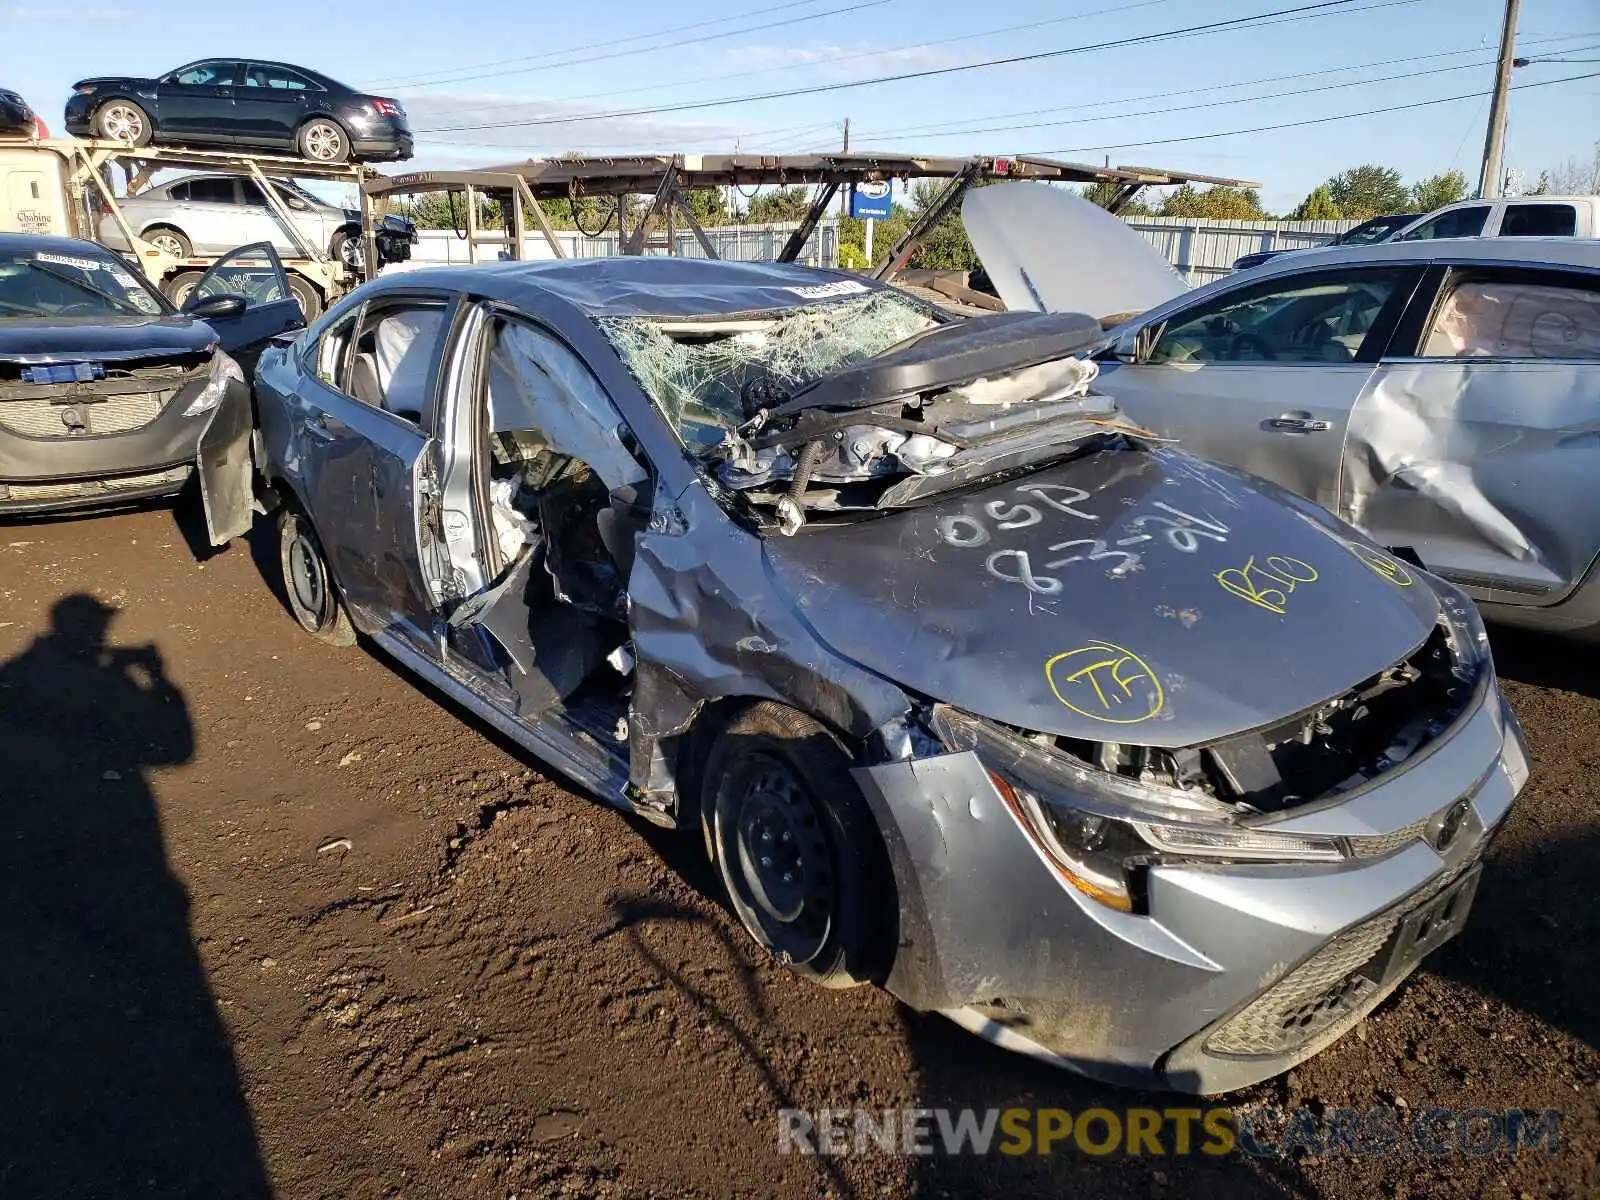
(710, 377)
(46, 284)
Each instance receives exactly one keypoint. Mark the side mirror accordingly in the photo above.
(215, 306)
(1126, 348)
(297, 204)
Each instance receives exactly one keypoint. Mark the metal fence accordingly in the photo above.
(1201, 249)
(735, 243)
(1204, 250)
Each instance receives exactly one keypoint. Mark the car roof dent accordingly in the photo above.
(1048, 250)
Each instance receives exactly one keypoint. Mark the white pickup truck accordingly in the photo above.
(1509, 216)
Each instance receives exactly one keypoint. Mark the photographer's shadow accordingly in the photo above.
(116, 1077)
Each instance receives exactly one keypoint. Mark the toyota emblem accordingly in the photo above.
(1450, 825)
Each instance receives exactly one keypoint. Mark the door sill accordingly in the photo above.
(574, 752)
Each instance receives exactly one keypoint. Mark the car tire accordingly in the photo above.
(123, 121)
(324, 141)
(173, 241)
(178, 287)
(308, 584)
(345, 243)
(306, 293)
(798, 850)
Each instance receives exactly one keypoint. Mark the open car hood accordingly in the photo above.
(1132, 596)
(1047, 250)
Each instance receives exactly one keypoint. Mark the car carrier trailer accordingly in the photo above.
(65, 186)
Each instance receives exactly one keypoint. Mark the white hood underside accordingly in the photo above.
(1047, 250)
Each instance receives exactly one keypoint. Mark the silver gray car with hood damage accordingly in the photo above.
(1125, 760)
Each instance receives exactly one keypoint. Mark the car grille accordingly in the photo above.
(54, 418)
(1326, 994)
(75, 489)
(1381, 845)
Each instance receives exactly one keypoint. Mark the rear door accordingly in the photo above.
(254, 275)
(195, 103)
(1475, 443)
(1263, 376)
(270, 103)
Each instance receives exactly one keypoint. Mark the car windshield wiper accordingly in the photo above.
(84, 285)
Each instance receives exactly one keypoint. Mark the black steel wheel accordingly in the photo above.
(308, 583)
(799, 852)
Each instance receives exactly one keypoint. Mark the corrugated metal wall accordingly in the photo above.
(1205, 250)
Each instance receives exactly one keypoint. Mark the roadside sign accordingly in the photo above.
(870, 200)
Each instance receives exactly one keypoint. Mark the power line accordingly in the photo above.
(976, 35)
(1154, 112)
(638, 37)
(1369, 112)
(694, 41)
(940, 127)
(1321, 6)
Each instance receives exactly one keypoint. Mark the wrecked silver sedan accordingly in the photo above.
(1118, 758)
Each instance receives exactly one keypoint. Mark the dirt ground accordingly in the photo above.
(277, 922)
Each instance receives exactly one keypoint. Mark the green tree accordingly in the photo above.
(946, 247)
(1318, 206)
(1104, 192)
(886, 232)
(1438, 190)
(784, 204)
(1369, 191)
(1217, 203)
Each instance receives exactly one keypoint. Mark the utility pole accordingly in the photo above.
(1494, 142)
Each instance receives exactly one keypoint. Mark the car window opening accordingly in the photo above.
(561, 501)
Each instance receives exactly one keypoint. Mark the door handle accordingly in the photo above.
(317, 426)
(1289, 423)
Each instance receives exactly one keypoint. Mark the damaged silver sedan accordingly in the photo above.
(1118, 758)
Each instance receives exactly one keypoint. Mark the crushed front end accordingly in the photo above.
(1201, 917)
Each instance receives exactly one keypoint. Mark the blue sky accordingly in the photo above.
(1123, 102)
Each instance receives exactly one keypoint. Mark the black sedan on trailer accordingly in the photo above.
(109, 394)
(240, 102)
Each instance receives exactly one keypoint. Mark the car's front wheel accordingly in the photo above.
(306, 294)
(349, 250)
(308, 583)
(123, 121)
(322, 140)
(797, 848)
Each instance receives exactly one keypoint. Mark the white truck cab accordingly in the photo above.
(1508, 216)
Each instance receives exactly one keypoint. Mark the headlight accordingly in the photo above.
(223, 372)
(1469, 640)
(1097, 829)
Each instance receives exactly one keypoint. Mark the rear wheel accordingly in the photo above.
(323, 140)
(308, 583)
(306, 293)
(170, 241)
(123, 121)
(797, 848)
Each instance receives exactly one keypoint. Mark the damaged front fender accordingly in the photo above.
(225, 467)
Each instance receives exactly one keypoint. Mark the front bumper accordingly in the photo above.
(1200, 994)
(50, 474)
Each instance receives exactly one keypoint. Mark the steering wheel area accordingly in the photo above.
(1253, 341)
